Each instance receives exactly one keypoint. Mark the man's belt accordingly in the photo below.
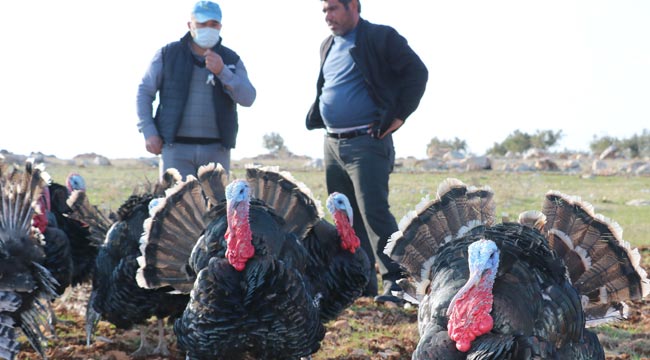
(349, 134)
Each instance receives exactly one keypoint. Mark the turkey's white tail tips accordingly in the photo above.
(448, 185)
(392, 240)
(139, 275)
(601, 265)
(533, 218)
(213, 179)
(170, 178)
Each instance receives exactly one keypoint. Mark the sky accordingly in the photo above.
(70, 70)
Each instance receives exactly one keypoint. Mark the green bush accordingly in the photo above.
(635, 146)
(519, 141)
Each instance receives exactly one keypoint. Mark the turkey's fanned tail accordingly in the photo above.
(170, 233)
(290, 199)
(456, 210)
(604, 268)
(19, 194)
(98, 222)
(26, 285)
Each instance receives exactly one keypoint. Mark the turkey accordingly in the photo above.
(26, 286)
(69, 248)
(115, 296)
(243, 262)
(522, 290)
(83, 248)
(340, 269)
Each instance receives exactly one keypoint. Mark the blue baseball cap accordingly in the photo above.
(205, 11)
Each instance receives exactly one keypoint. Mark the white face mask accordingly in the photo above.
(206, 37)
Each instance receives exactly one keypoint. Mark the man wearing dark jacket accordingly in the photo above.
(369, 83)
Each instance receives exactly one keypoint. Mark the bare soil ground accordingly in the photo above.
(365, 331)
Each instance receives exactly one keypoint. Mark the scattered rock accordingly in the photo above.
(546, 164)
(476, 163)
(610, 153)
(643, 170)
(91, 159)
(534, 154)
(453, 155)
(638, 202)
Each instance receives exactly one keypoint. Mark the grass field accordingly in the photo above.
(514, 192)
(368, 331)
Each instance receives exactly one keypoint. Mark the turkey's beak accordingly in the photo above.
(232, 206)
(350, 214)
(474, 278)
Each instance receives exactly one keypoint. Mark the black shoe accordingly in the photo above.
(387, 295)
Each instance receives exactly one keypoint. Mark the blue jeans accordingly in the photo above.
(187, 158)
(360, 168)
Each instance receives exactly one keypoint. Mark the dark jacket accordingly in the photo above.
(178, 63)
(395, 75)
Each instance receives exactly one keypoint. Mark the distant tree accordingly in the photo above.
(635, 146)
(598, 145)
(519, 141)
(274, 143)
(638, 145)
(439, 147)
(545, 139)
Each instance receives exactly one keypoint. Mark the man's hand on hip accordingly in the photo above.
(396, 124)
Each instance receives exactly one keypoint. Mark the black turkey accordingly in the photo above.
(340, 269)
(83, 250)
(244, 263)
(116, 296)
(26, 286)
(70, 251)
(521, 290)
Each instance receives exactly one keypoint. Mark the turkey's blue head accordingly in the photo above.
(339, 202)
(341, 210)
(469, 310)
(483, 256)
(238, 191)
(75, 181)
(238, 235)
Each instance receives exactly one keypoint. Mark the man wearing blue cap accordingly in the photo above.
(199, 83)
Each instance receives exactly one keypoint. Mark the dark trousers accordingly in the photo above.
(360, 168)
